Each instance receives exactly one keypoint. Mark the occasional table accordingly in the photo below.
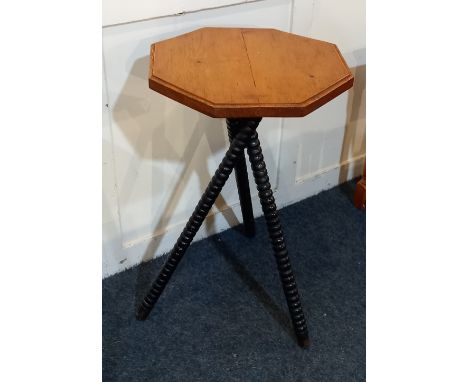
(244, 74)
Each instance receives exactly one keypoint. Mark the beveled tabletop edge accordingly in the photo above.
(251, 110)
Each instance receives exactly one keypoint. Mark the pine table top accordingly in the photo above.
(248, 72)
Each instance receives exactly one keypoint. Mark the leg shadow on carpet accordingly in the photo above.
(254, 286)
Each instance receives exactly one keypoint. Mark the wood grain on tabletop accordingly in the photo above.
(248, 72)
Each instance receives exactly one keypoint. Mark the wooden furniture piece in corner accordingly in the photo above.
(244, 74)
(360, 193)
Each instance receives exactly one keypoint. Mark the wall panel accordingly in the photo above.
(158, 155)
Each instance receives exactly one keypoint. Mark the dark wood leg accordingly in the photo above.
(277, 239)
(246, 137)
(242, 179)
(235, 152)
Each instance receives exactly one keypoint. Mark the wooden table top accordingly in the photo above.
(248, 72)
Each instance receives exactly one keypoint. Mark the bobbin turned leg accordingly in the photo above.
(277, 239)
(236, 151)
(242, 179)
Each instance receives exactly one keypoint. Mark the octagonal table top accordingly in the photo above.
(248, 72)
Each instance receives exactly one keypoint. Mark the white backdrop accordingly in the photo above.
(158, 155)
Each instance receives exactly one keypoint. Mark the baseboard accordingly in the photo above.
(159, 243)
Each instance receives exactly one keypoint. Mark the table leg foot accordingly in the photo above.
(303, 342)
(142, 313)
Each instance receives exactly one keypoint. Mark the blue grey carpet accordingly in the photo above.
(223, 316)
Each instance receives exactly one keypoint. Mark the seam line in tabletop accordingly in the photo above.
(248, 59)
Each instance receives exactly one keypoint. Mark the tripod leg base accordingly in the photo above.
(303, 342)
(142, 313)
(245, 137)
(249, 232)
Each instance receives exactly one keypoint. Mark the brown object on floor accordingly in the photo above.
(360, 193)
(244, 72)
